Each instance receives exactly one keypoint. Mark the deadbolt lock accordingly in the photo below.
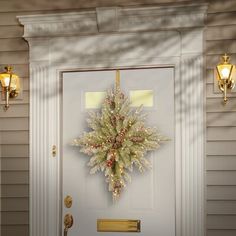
(68, 201)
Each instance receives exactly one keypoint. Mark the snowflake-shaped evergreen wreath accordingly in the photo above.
(118, 140)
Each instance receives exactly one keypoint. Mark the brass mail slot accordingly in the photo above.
(105, 225)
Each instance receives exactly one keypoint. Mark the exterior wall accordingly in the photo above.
(221, 120)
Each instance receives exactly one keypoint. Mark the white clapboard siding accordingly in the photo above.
(15, 177)
(225, 33)
(24, 83)
(19, 57)
(221, 46)
(221, 133)
(14, 123)
(223, 119)
(221, 162)
(221, 222)
(221, 192)
(14, 150)
(209, 76)
(15, 190)
(15, 163)
(217, 105)
(221, 148)
(11, 31)
(221, 207)
(13, 45)
(16, 110)
(224, 232)
(220, 6)
(221, 177)
(223, 18)
(13, 230)
(14, 137)
(15, 218)
(15, 204)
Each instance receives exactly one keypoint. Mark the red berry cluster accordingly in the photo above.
(109, 163)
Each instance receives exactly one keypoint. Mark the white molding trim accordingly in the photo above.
(110, 19)
(79, 41)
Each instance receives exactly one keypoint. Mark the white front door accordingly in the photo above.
(150, 197)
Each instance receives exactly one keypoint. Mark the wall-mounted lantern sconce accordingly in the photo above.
(225, 71)
(10, 83)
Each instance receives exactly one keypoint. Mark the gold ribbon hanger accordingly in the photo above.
(117, 79)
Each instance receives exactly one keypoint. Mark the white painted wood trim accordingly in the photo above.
(68, 41)
(111, 19)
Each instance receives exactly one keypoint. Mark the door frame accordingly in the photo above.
(177, 151)
(178, 44)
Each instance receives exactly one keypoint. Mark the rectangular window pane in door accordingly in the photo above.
(94, 99)
(141, 97)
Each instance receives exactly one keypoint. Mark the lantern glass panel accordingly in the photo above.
(225, 71)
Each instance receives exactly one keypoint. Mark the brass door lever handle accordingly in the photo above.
(68, 222)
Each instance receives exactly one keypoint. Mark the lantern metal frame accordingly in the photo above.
(225, 81)
(10, 84)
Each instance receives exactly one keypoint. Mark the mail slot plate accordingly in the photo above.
(121, 225)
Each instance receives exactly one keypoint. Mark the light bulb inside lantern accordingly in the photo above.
(225, 73)
(6, 81)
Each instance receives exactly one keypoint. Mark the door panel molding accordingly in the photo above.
(132, 39)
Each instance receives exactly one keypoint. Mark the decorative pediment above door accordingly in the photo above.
(116, 37)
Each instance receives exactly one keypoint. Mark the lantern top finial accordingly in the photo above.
(8, 69)
(225, 59)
